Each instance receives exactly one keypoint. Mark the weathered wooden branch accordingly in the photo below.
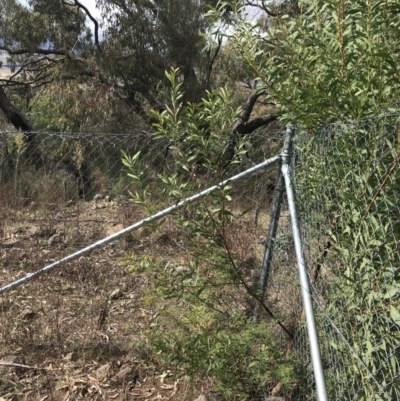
(96, 24)
(14, 116)
(243, 126)
(17, 365)
(34, 51)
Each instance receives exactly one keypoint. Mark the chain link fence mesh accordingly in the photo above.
(62, 192)
(347, 183)
(68, 190)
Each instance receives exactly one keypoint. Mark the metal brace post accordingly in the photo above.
(271, 235)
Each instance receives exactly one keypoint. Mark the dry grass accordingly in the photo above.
(84, 318)
(79, 329)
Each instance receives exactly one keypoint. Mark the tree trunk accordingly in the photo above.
(20, 122)
(244, 127)
(14, 116)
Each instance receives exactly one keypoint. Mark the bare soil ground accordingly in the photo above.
(76, 333)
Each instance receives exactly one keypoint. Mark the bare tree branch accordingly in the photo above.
(210, 68)
(17, 365)
(243, 126)
(34, 62)
(252, 125)
(246, 83)
(263, 7)
(10, 83)
(96, 24)
(42, 83)
(13, 115)
(247, 108)
(34, 51)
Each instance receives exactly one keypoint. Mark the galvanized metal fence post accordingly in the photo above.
(271, 235)
(305, 286)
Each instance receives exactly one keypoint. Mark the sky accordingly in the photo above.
(91, 6)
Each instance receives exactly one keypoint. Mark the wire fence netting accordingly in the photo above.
(67, 179)
(347, 185)
(61, 192)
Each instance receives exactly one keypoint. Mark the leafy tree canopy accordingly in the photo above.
(50, 42)
(332, 60)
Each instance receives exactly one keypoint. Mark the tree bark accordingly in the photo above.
(244, 127)
(17, 119)
(20, 122)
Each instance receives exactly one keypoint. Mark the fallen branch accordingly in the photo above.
(17, 365)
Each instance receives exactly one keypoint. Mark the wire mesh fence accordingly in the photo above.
(58, 186)
(62, 192)
(347, 183)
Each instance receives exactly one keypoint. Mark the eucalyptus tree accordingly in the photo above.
(47, 43)
(50, 43)
(145, 38)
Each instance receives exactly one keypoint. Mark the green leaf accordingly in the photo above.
(135, 177)
(391, 292)
(395, 314)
